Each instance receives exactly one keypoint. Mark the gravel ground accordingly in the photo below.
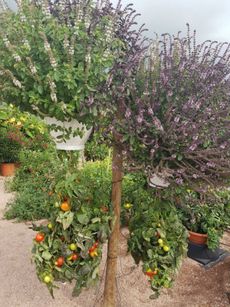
(194, 286)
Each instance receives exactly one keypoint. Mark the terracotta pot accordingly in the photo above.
(198, 238)
(7, 169)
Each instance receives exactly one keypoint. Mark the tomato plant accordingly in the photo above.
(158, 239)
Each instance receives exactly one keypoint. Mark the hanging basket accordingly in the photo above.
(158, 181)
(74, 142)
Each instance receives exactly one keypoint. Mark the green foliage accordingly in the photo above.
(209, 215)
(20, 130)
(158, 239)
(30, 203)
(9, 147)
(32, 184)
(33, 128)
(134, 191)
(96, 148)
(52, 67)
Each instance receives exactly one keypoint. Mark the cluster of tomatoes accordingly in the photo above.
(70, 258)
(161, 242)
(151, 273)
(93, 250)
(165, 247)
(60, 261)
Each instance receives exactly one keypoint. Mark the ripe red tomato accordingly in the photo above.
(74, 257)
(39, 237)
(151, 273)
(92, 249)
(60, 261)
(95, 245)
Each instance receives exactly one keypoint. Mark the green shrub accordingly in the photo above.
(9, 146)
(20, 130)
(32, 184)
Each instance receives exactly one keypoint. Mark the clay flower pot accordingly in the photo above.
(197, 238)
(7, 169)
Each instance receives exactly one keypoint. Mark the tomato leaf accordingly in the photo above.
(65, 219)
(46, 255)
(83, 218)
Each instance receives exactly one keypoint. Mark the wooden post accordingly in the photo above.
(111, 269)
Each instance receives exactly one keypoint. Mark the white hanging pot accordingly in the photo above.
(74, 142)
(158, 181)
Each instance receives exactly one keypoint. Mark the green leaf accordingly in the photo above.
(40, 89)
(83, 218)
(84, 270)
(68, 274)
(95, 273)
(150, 253)
(145, 236)
(96, 219)
(46, 255)
(65, 219)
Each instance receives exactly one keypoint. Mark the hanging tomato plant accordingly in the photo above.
(69, 247)
(159, 240)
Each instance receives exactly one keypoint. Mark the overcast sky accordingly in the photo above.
(211, 18)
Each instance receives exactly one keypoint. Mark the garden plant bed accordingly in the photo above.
(194, 285)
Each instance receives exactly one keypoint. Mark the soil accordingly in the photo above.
(194, 285)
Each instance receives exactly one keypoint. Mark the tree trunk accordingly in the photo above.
(111, 269)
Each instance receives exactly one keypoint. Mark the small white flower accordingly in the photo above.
(177, 119)
(17, 83)
(17, 57)
(6, 42)
(53, 97)
(22, 17)
(26, 43)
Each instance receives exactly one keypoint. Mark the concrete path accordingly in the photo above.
(194, 286)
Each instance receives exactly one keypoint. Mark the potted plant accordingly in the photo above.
(206, 219)
(9, 150)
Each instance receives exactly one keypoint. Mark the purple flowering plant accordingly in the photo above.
(176, 120)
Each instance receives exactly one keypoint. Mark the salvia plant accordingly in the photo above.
(176, 117)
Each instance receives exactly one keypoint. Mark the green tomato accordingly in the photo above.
(47, 279)
(166, 248)
(50, 226)
(128, 206)
(73, 247)
(160, 241)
